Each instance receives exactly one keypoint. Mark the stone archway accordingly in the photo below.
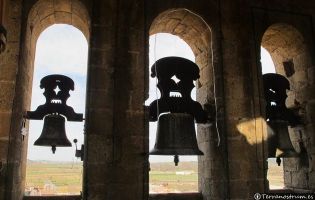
(291, 56)
(42, 14)
(197, 34)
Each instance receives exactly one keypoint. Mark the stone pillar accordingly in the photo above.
(11, 183)
(116, 162)
(243, 113)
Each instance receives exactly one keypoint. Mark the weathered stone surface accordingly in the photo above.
(6, 96)
(5, 119)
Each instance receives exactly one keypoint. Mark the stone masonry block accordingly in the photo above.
(311, 75)
(10, 56)
(102, 59)
(8, 72)
(100, 173)
(291, 164)
(63, 17)
(100, 149)
(5, 122)
(299, 179)
(48, 20)
(239, 189)
(45, 9)
(78, 9)
(102, 38)
(81, 24)
(4, 145)
(206, 75)
(100, 99)
(311, 179)
(13, 30)
(63, 5)
(102, 78)
(6, 96)
(100, 121)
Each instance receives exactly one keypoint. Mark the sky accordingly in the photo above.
(63, 49)
(60, 49)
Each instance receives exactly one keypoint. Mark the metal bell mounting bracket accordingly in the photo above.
(56, 92)
(186, 72)
(57, 88)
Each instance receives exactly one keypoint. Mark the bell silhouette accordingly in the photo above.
(279, 142)
(53, 133)
(176, 135)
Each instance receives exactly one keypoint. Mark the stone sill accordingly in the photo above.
(167, 196)
(280, 191)
(176, 196)
(291, 190)
(77, 197)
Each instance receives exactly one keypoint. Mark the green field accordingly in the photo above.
(165, 177)
(51, 178)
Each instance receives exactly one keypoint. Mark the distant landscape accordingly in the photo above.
(53, 178)
(65, 178)
(275, 176)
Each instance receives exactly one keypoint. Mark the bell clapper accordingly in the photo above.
(53, 149)
(278, 160)
(176, 160)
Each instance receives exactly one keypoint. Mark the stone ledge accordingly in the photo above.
(176, 196)
(77, 197)
(280, 191)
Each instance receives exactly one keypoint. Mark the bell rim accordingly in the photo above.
(64, 144)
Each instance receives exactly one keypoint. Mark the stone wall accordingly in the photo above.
(116, 165)
(9, 68)
(288, 41)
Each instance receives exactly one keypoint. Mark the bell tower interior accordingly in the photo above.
(225, 37)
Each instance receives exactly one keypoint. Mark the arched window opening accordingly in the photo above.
(195, 31)
(164, 176)
(60, 49)
(267, 65)
(289, 51)
(275, 172)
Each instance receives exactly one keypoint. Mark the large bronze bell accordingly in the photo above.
(176, 135)
(279, 142)
(53, 133)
